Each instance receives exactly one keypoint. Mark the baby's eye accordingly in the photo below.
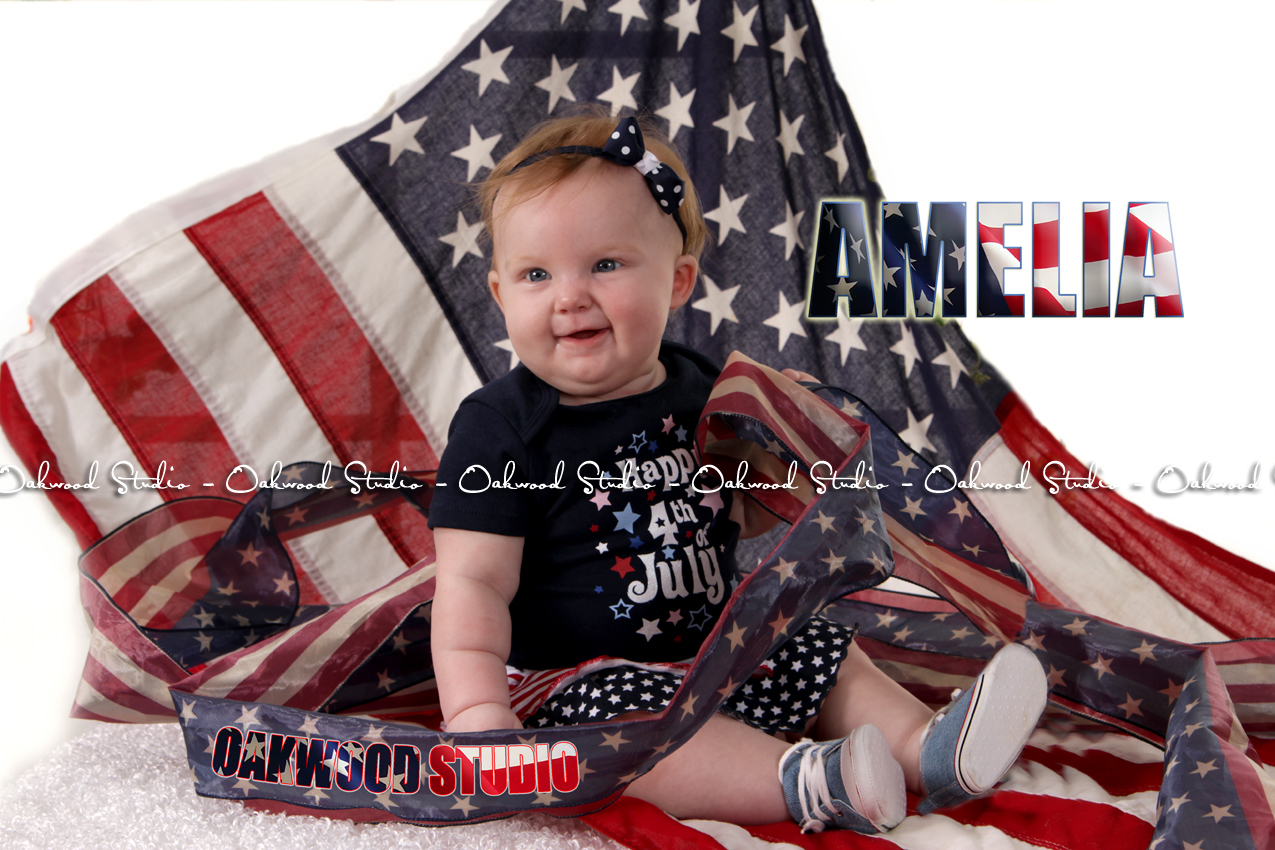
(606, 266)
(537, 275)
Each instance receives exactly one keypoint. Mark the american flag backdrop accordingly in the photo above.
(347, 300)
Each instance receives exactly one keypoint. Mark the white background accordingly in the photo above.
(109, 106)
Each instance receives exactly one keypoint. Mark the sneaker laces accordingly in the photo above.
(939, 715)
(812, 787)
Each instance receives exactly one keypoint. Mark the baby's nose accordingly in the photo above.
(573, 294)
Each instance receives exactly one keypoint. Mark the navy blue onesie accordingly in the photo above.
(639, 573)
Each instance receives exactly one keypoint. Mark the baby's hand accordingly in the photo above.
(484, 716)
(800, 376)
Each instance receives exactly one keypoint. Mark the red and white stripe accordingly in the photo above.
(222, 349)
(1147, 232)
(303, 666)
(1067, 791)
(993, 218)
(1097, 259)
(1046, 298)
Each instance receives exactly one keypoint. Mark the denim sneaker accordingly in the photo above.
(852, 783)
(975, 740)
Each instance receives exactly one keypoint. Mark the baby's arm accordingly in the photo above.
(477, 575)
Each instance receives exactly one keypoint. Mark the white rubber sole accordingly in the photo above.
(875, 777)
(1007, 703)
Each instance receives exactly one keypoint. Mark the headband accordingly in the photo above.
(626, 147)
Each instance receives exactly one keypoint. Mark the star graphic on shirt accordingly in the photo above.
(712, 501)
(624, 519)
(650, 628)
(600, 498)
(602, 548)
(623, 566)
(700, 612)
(621, 609)
(639, 440)
(675, 617)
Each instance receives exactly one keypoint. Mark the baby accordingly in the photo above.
(596, 237)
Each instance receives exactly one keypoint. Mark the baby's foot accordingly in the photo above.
(972, 743)
(853, 783)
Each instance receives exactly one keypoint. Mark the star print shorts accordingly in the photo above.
(801, 673)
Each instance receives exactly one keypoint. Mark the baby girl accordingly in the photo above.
(596, 237)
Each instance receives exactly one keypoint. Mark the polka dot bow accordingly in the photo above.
(626, 147)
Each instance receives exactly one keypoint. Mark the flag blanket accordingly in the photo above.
(328, 311)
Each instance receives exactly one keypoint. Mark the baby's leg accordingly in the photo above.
(728, 771)
(971, 744)
(864, 694)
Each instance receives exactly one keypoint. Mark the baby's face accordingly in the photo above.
(586, 273)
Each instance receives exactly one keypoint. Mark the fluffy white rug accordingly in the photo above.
(128, 788)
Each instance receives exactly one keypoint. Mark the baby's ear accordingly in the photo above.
(685, 271)
(493, 285)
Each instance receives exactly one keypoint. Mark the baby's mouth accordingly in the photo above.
(585, 334)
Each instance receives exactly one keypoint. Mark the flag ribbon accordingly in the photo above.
(306, 716)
